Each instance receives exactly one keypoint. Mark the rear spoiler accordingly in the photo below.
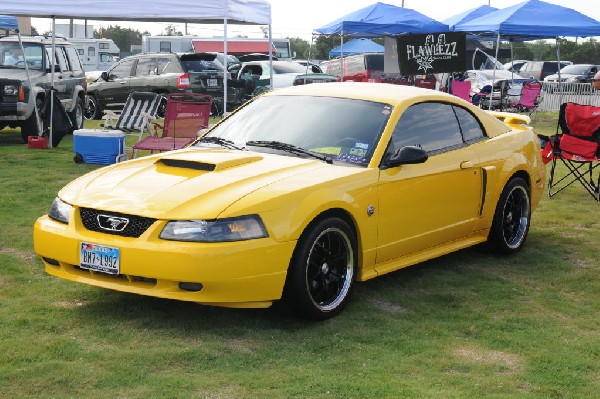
(511, 118)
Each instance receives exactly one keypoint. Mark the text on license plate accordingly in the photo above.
(212, 82)
(99, 258)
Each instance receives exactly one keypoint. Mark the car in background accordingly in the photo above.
(365, 67)
(298, 195)
(257, 75)
(538, 70)
(160, 73)
(575, 73)
(24, 91)
(514, 66)
(480, 78)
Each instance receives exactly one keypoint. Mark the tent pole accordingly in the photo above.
(225, 67)
(494, 75)
(342, 52)
(52, 67)
(271, 56)
(560, 85)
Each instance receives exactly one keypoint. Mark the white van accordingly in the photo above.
(96, 54)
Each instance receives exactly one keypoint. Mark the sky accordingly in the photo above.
(300, 18)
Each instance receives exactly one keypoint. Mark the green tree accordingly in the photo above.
(123, 37)
(171, 30)
(323, 44)
(300, 47)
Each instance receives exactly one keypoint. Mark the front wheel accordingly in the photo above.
(322, 270)
(512, 218)
(34, 125)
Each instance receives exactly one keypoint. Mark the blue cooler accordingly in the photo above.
(96, 146)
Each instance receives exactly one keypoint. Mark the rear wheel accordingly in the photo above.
(92, 108)
(322, 270)
(512, 218)
(77, 115)
(34, 125)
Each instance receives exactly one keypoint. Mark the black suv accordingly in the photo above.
(160, 73)
(22, 90)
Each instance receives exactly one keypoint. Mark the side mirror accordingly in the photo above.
(104, 76)
(316, 69)
(408, 155)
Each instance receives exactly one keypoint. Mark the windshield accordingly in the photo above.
(576, 69)
(311, 123)
(11, 55)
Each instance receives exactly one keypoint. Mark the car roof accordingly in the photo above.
(395, 95)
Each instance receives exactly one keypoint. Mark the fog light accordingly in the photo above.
(194, 287)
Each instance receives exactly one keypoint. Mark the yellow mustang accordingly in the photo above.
(297, 195)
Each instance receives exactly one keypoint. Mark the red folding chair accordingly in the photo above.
(529, 98)
(185, 115)
(462, 89)
(577, 148)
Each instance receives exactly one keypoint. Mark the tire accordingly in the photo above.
(34, 125)
(92, 108)
(322, 270)
(511, 219)
(77, 115)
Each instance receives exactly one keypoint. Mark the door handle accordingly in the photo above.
(123, 83)
(466, 165)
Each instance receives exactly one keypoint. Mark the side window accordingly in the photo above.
(123, 69)
(145, 67)
(74, 60)
(92, 51)
(432, 126)
(164, 65)
(80, 51)
(103, 46)
(469, 125)
(61, 57)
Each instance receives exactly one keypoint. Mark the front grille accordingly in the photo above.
(136, 227)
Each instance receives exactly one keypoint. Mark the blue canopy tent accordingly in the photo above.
(382, 19)
(468, 15)
(357, 46)
(8, 23)
(379, 20)
(533, 19)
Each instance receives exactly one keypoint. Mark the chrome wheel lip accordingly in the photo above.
(515, 217)
(321, 264)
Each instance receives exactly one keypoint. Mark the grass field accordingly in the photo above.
(466, 325)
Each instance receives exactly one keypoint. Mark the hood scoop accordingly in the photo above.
(207, 161)
(186, 164)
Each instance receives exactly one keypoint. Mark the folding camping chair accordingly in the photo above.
(529, 99)
(576, 147)
(185, 115)
(141, 108)
(462, 89)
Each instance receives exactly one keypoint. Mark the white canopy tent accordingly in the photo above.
(245, 12)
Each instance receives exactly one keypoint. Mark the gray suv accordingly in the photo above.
(161, 73)
(21, 94)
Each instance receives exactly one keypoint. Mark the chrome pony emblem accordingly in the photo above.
(112, 223)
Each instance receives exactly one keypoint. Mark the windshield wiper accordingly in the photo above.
(278, 145)
(220, 141)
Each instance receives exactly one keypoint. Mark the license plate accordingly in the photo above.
(99, 258)
(212, 82)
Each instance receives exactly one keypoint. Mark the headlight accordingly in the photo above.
(11, 90)
(571, 79)
(60, 211)
(231, 229)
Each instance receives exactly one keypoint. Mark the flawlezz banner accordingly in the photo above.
(432, 53)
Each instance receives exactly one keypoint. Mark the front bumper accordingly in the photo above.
(234, 274)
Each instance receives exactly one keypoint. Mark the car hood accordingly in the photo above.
(562, 76)
(19, 73)
(189, 183)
